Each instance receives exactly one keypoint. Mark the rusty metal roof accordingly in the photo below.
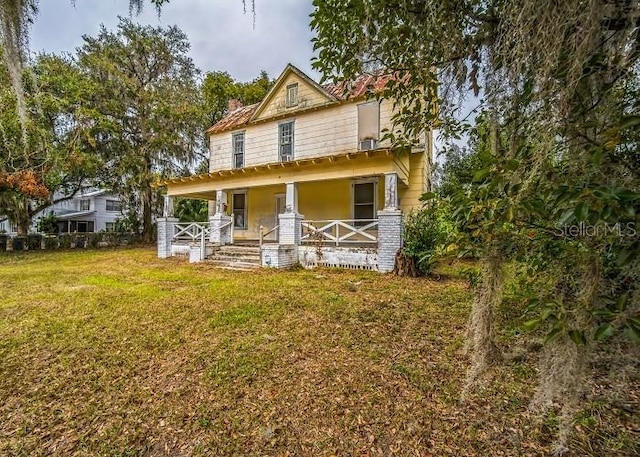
(362, 85)
(235, 118)
(343, 91)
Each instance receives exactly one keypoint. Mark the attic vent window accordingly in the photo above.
(291, 96)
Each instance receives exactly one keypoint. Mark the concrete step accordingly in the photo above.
(233, 265)
(236, 258)
(236, 253)
(239, 250)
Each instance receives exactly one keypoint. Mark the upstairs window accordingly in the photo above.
(114, 205)
(238, 150)
(291, 96)
(285, 141)
(368, 125)
(85, 205)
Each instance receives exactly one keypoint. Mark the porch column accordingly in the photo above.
(167, 209)
(290, 221)
(389, 225)
(166, 230)
(219, 219)
(390, 191)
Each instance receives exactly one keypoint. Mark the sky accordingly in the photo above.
(222, 36)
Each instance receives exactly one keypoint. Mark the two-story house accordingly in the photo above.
(92, 210)
(306, 174)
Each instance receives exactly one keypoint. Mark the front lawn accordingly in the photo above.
(117, 353)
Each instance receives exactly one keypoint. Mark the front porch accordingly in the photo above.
(348, 216)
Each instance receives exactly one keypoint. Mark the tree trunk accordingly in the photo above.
(23, 219)
(405, 266)
(488, 296)
(147, 210)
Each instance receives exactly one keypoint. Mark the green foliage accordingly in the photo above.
(456, 170)
(427, 233)
(556, 162)
(47, 156)
(218, 88)
(48, 223)
(191, 210)
(142, 81)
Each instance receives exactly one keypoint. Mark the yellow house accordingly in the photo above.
(305, 176)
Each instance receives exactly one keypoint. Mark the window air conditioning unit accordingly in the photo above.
(367, 145)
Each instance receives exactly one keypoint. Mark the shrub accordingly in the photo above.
(94, 240)
(66, 240)
(19, 243)
(427, 234)
(51, 242)
(34, 242)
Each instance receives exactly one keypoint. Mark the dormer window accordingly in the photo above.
(291, 96)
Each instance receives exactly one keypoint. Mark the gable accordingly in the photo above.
(309, 95)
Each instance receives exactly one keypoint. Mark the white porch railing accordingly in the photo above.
(340, 231)
(264, 234)
(200, 231)
(192, 232)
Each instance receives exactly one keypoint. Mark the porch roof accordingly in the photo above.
(337, 166)
(73, 215)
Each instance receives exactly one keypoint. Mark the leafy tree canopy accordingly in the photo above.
(144, 108)
(48, 161)
(219, 88)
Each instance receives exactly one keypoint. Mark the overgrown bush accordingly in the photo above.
(427, 235)
(19, 243)
(34, 242)
(93, 240)
(50, 242)
(65, 240)
(48, 224)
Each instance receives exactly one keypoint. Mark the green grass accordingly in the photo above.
(117, 353)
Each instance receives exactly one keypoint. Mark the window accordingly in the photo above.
(109, 226)
(368, 125)
(238, 149)
(114, 205)
(286, 141)
(291, 97)
(239, 209)
(84, 205)
(364, 200)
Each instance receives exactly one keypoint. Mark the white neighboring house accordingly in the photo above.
(92, 210)
(6, 226)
